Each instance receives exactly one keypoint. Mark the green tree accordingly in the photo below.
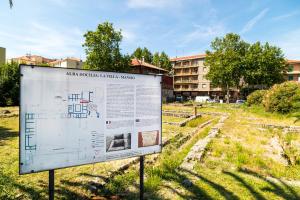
(156, 59)
(9, 84)
(138, 53)
(147, 55)
(165, 61)
(102, 48)
(265, 65)
(226, 62)
(141, 54)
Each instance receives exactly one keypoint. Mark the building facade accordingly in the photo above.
(2, 55)
(73, 63)
(293, 73)
(189, 78)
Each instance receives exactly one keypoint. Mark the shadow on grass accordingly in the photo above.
(9, 188)
(219, 188)
(6, 134)
(239, 179)
(275, 188)
(105, 179)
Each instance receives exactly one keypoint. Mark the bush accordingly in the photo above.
(9, 84)
(256, 97)
(282, 98)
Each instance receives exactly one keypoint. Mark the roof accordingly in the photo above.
(188, 57)
(62, 60)
(293, 61)
(137, 62)
(31, 57)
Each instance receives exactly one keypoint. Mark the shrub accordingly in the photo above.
(9, 84)
(256, 97)
(282, 98)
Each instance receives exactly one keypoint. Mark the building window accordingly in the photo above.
(291, 68)
(291, 77)
(203, 85)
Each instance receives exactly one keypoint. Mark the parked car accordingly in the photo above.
(240, 101)
(213, 101)
(179, 98)
(202, 99)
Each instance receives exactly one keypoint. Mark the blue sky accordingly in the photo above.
(55, 28)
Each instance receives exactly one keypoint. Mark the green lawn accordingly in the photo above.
(238, 164)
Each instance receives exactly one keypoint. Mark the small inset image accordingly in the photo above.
(148, 138)
(118, 142)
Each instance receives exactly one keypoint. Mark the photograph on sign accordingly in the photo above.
(71, 117)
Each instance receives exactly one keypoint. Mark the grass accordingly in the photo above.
(236, 165)
(172, 119)
(163, 170)
(199, 120)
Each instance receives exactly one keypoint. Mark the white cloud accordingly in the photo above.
(128, 35)
(285, 16)
(152, 3)
(290, 44)
(251, 23)
(203, 33)
(55, 42)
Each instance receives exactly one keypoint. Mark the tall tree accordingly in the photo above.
(264, 65)
(142, 54)
(156, 59)
(226, 62)
(165, 61)
(138, 53)
(102, 48)
(147, 55)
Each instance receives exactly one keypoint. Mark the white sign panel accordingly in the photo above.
(72, 117)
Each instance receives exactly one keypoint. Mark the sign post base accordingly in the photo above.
(141, 177)
(51, 184)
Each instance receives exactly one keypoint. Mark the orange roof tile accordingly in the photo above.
(137, 62)
(188, 57)
(293, 61)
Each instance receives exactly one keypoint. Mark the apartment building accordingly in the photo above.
(2, 55)
(189, 77)
(293, 73)
(74, 63)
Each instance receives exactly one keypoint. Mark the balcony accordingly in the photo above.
(186, 89)
(185, 66)
(186, 81)
(186, 74)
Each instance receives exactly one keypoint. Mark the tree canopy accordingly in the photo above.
(264, 65)
(158, 59)
(225, 61)
(9, 84)
(234, 63)
(141, 54)
(102, 48)
(165, 61)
